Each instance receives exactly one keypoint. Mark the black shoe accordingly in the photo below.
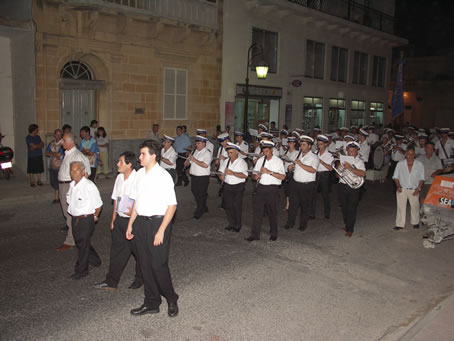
(196, 217)
(397, 228)
(76, 276)
(104, 285)
(135, 285)
(273, 238)
(250, 239)
(416, 226)
(237, 229)
(186, 183)
(311, 217)
(302, 228)
(287, 227)
(143, 309)
(173, 309)
(229, 228)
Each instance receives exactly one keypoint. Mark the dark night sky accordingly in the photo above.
(427, 24)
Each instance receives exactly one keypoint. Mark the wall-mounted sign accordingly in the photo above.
(263, 91)
(296, 83)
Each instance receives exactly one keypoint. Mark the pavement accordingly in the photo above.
(316, 285)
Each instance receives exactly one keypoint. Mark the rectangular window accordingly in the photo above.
(336, 114)
(360, 68)
(379, 70)
(266, 49)
(312, 113)
(315, 59)
(376, 112)
(339, 61)
(358, 113)
(175, 93)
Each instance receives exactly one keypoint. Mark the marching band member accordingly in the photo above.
(347, 138)
(444, 147)
(244, 146)
(372, 139)
(234, 175)
(420, 147)
(364, 148)
(331, 143)
(354, 132)
(209, 145)
(169, 157)
(291, 153)
(315, 133)
(222, 152)
(302, 191)
(283, 144)
(397, 152)
(270, 169)
(300, 131)
(323, 181)
(264, 136)
(262, 128)
(349, 197)
(200, 175)
(343, 132)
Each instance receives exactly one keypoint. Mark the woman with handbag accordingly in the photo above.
(56, 153)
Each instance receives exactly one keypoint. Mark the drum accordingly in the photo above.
(376, 158)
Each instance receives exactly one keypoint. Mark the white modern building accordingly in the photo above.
(329, 62)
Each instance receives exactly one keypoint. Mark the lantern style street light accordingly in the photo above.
(261, 70)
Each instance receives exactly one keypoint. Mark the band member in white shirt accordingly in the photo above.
(301, 192)
(84, 206)
(397, 152)
(420, 148)
(121, 248)
(323, 177)
(234, 174)
(349, 197)
(331, 143)
(209, 145)
(150, 225)
(444, 147)
(169, 157)
(284, 139)
(269, 173)
(409, 179)
(222, 154)
(244, 146)
(372, 138)
(364, 147)
(199, 170)
(72, 154)
(291, 153)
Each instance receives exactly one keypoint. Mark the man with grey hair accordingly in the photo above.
(84, 206)
(64, 179)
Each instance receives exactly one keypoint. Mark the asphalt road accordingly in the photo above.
(312, 285)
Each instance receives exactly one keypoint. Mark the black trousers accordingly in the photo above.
(265, 200)
(349, 199)
(153, 261)
(82, 230)
(233, 203)
(92, 176)
(323, 185)
(288, 183)
(181, 174)
(120, 251)
(300, 198)
(199, 189)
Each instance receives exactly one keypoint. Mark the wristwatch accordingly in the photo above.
(271, 173)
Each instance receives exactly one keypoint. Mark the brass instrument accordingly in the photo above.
(353, 181)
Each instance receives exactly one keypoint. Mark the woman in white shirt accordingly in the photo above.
(103, 145)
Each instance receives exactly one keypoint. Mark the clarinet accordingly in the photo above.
(221, 189)
(257, 183)
(189, 163)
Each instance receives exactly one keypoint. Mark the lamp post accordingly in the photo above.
(261, 70)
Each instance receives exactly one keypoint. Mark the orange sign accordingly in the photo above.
(441, 193)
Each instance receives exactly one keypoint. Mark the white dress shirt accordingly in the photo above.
(83, 198)
(449, 145)
(170, 155)
(302, 175)
(372, 138)
(430, 165)
(292, 156)
(222, 151)
(239, 166)
(72, 155)
(153, 192)
(203, 155)
(122, 189)
(364, 151)
(244, 147)
(326, 157)
(210, 147)
(275, 165)
(409, 180)
(358, 164)
(398, 155)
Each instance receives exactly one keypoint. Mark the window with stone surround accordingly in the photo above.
(175, 93)
(378, 75)
(360, 62)
(315, 59)
(265, 49)
(339, 60)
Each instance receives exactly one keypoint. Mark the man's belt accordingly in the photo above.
(64, 182)
(152, 217)
(82, 216)
(305, 183)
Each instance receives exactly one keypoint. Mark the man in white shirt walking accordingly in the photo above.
(409, 179)
(84, 206)
(150, 224)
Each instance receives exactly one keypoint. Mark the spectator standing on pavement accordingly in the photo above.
(409, 179)
(55, 153)
(181, 145)
(64, 179)
(154, 133)
(150, 224)
(432, 168)
(84, 206)
(89, 147)
(103, 145)
(35, 164)
(94, 128)
(122, 248)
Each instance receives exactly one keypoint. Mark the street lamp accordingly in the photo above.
(261, 70)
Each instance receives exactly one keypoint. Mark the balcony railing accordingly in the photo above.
(352, 11)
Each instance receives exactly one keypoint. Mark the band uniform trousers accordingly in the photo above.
(402, 197)
(181, 173)
(199, 188)
(83, 228)
(323, 184)
(153, 261)
(300, 197)
(233, 203)
(63, 189)
(349, 199)
(265, 200)
(288, 183)
(120, 252)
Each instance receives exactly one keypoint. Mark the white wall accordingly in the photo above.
(6, 93)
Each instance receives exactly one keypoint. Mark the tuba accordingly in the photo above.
(353, 181)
